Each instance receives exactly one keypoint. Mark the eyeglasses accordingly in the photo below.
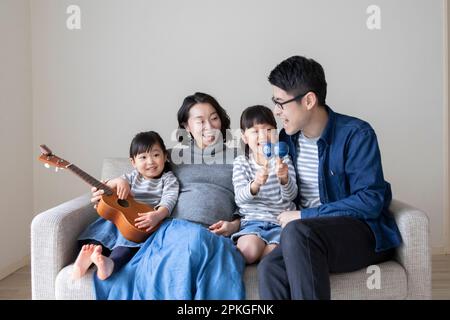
(281, 104)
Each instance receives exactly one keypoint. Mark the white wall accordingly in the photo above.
(16, 187)
(132, 63)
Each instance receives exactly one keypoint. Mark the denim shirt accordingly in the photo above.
(351, 181)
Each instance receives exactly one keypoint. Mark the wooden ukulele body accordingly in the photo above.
(123, 213)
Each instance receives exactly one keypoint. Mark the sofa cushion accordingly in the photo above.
(115, 167)
(353, 285)
(345, 286)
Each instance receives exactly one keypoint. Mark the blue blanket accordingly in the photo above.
(180, 261)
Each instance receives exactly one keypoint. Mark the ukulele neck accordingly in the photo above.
(89, 179)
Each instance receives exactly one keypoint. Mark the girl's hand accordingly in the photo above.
(260, 179)
(225, 228)
(148, 220)
(261, 176)
(96, 195)
(123, 189)
(282, 171)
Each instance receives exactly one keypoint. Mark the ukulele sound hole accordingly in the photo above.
(123, 203)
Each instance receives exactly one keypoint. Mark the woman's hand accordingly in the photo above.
(225, 228)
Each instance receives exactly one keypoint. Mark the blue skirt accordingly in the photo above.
(105, 232)
(180, 261)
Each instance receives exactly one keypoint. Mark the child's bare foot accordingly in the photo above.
(104, 264)
(83, 261)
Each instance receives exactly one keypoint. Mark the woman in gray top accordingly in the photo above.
(190, 255)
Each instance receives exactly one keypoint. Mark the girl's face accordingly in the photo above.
(204, 124)
(150, 164)
(257, 136)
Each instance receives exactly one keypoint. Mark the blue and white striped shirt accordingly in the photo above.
(308, 169)
(161, 192)
(272, 198)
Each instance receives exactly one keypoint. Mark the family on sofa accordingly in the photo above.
(320, 209)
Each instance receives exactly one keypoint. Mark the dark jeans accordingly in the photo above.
(120, 255)
(311, 249)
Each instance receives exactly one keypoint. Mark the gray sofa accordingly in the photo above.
(54, 249)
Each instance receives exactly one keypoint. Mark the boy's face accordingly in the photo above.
(257, 136)
(150, 164)
(294, 115)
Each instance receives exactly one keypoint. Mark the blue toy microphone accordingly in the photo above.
(267, 150)
(281, 149)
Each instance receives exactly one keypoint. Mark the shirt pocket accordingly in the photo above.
(336, 187)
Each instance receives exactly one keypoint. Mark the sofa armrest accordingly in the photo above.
(414, 254)
(53, 242)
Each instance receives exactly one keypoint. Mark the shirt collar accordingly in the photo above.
(327, 134)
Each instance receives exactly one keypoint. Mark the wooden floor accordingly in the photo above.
(17, 286)
(440, 281)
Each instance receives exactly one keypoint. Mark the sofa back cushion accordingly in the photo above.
(115, 167)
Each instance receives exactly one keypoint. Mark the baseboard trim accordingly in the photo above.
(439, 251)
(6, 271)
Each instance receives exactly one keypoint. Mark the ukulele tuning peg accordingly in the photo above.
(47, 165)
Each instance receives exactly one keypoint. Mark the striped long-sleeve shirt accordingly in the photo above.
(161, 192)
(308, 171)
(272, 198)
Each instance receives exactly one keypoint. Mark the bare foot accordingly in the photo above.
(83, 261)
(104, 264)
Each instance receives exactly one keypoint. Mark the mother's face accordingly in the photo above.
(203, 124)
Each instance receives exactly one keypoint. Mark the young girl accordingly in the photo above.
(263, 187)
(150, 182)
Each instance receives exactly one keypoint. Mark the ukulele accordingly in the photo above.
(120, 212)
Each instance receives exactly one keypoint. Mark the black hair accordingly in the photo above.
(144, 141)
(298, 75)
(256, 115)
(199, 97)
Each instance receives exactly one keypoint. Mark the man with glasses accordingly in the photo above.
(342, 223)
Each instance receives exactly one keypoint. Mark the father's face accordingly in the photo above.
(293, 114)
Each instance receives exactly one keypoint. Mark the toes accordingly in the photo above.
(88, 247)
(96, 256)
(98, 249)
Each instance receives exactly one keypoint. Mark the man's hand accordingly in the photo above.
(287, 216)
